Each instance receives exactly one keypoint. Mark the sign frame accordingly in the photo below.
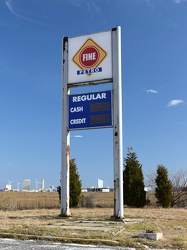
(114, 75)
(90, 110)
(82, 74)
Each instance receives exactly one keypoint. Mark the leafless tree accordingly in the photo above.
(150, 180)
(179, 190)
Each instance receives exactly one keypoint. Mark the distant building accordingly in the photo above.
(99, 183)
(42, 184)
(8, 187)
(26, 185)
(105, 190)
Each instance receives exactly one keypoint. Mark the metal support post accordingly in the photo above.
(117, 124)
(65, 157)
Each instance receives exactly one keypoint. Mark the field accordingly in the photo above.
(47, 200)
(89, 225)
(28, 200)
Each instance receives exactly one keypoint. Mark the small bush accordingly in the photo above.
(87, 201)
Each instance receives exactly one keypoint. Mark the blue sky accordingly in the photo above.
(154, 61)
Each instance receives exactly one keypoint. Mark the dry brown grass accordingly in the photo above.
(47, 223)
(28, 200)
(40, 200)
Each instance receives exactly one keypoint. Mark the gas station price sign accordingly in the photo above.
(90, 110)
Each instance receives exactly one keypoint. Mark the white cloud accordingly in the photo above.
(152, 91)
(179, 1)
(10, 6)
(20, 13)
(12, 9)
(77, 136)
(90, 6)
(175, 102)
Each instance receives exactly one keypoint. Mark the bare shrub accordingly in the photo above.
(87, 201)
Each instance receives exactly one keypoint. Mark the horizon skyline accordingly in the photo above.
(9, 182)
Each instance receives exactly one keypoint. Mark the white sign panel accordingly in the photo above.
(90, 58)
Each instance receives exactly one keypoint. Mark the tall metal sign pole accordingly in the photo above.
(65, 211)
(91, 60)
(117, 125)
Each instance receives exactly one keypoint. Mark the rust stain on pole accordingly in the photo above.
(68, 213)
(68, 154)
(114, 215)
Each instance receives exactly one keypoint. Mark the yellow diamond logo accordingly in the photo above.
(90, 55)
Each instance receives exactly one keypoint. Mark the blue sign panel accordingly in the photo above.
(90, 110)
